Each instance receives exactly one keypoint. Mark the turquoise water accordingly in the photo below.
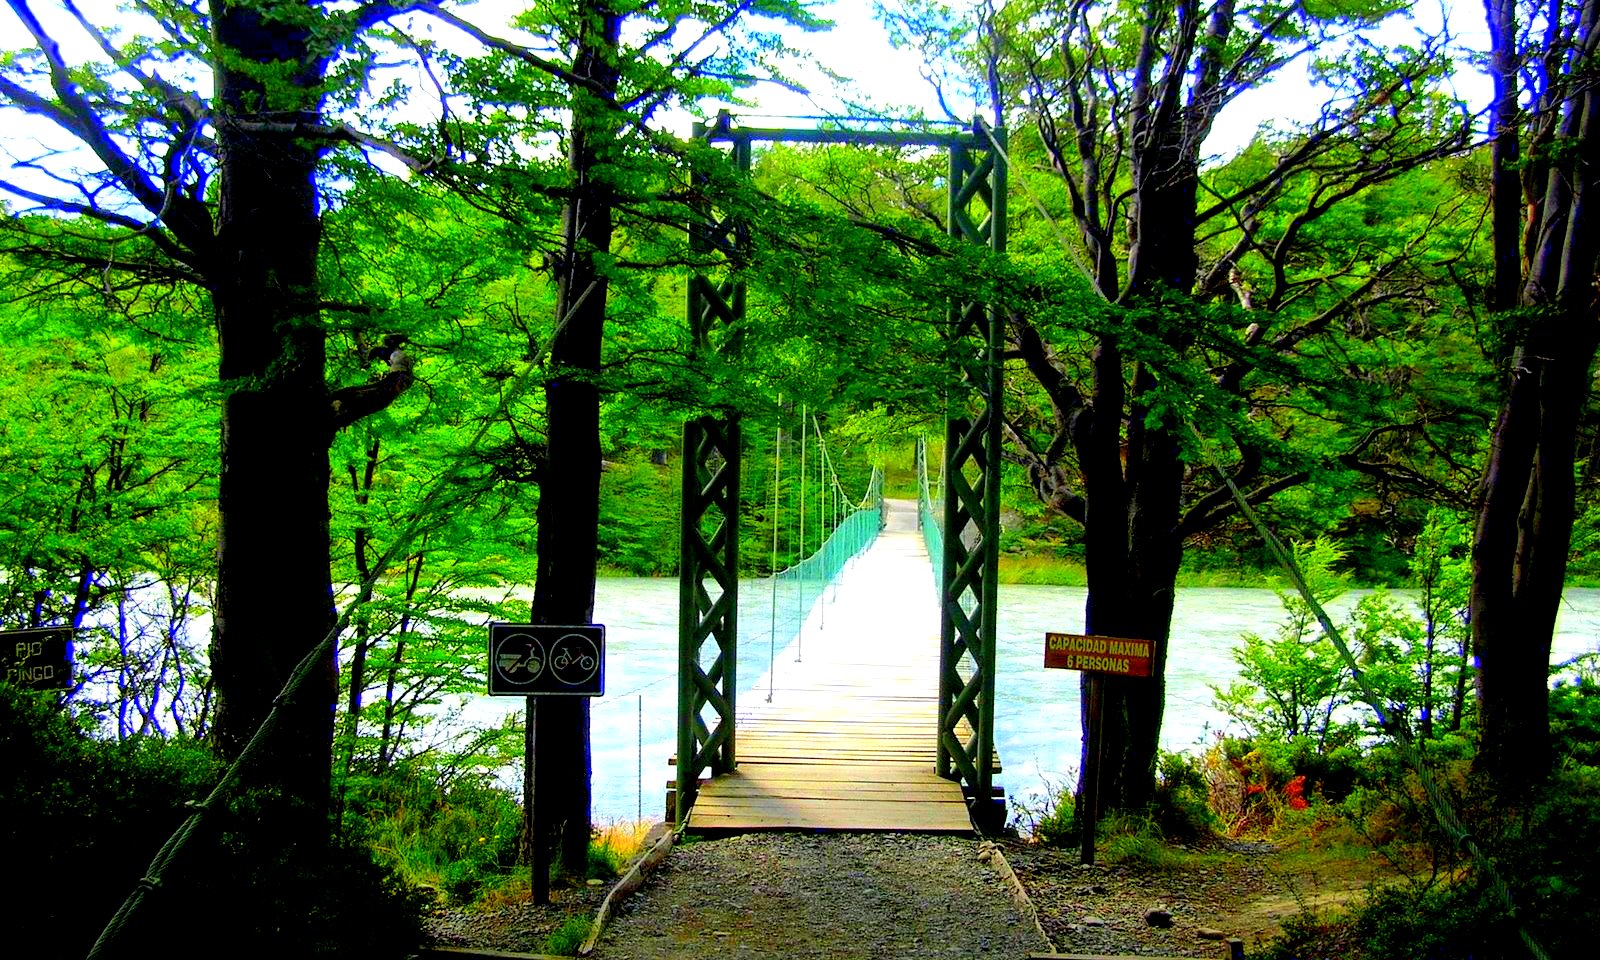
(1036, 709)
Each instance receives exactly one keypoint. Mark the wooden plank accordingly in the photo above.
(924, 821)
(800, 805)
(847, 772)
(838, 790)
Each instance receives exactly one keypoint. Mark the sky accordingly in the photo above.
(858, 49)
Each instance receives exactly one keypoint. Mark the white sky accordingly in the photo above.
(858, 49)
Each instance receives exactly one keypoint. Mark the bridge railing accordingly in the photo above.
(797, 590)
(928, 516)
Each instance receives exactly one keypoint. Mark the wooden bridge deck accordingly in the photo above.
(847, 740)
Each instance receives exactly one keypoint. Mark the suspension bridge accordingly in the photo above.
(894, 692)
(841, 733)
(842, 730)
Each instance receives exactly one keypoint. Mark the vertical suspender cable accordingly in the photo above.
(800, 630)
(777, 475)
(822, 525)
(639, 748)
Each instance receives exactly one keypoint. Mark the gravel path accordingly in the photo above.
(789, 896)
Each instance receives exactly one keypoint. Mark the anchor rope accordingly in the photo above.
(427, 512)
(1395, 726)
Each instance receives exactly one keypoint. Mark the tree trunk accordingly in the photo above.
(569, 489)
(1134, 491)
(274, 597)
(1524, 528)
(1131, 592)
(1520, 559)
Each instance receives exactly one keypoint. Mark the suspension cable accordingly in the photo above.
(800, 609)
(777, 475)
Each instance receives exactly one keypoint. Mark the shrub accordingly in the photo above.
(1575, 719)
(1053, 822)
(1441, 923)
(454, 834)
(1312, 935)
(565, 940)
(1182, 810)
(87, 816)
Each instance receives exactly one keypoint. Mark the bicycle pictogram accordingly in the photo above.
(574, 659)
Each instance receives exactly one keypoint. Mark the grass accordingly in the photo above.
(1059, 572)
(612, 850)
(565, 940)
(616, 846)
(1047, 571)
(1225, 578)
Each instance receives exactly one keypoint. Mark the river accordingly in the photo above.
(1036, 710)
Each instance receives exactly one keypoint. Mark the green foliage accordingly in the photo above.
(1311, 935)
(1455, 921)
(1292, 684)
(1575, 719)
(565, 940)
(1052, 821)
(639, 516)
(1441, 568)
(1450, 908)
(70, 802)
(284, 892)
(1182, 810)
(108, 435)
(1297, 685)
(452, 834)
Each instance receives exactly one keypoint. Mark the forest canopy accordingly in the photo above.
(329, 324)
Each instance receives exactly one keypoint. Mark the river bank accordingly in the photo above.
(1037, 709)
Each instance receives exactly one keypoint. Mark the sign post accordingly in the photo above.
(38, 659)
(535, 660)
(1098, 657)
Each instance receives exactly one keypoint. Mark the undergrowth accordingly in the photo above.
(565, 940)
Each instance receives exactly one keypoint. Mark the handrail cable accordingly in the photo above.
(800, 638)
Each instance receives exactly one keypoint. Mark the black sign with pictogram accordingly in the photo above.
(538, 660)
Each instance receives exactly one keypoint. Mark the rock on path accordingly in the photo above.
(789, 896)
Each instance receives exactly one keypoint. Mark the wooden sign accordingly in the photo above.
(38, 659)
(1113, 655)
(540, 660)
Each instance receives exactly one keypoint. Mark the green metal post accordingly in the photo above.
(971, 479)
(708, 544)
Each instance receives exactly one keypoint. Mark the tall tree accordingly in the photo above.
(618, 178)
(1123, 96)
(225, 186)
(569, 494)
(1546, 162)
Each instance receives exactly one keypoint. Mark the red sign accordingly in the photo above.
(1113, 655)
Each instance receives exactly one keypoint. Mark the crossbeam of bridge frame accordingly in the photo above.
(708, 546)
(708, 541)
(967, 591)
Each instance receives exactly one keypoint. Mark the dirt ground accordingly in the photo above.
(1243, 890)
(791, 895)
